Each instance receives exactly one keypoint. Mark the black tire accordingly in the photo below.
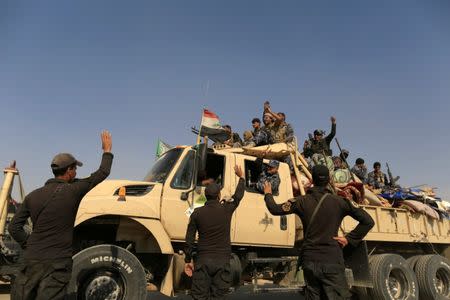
(359, 293)
(433, 276)
(412, 261)
(392, 278)
(107, 272)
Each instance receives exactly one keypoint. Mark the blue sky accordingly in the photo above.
(69, 69)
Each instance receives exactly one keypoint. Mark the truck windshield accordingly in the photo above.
(163, 166)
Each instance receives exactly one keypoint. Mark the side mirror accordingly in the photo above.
(184, 196)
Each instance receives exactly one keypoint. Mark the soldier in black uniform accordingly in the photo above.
(321, 254)
(52, 209)
(319, 144)
(211, 272)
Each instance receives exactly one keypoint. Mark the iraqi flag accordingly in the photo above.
(211, 127)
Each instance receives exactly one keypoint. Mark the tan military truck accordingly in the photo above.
(129, 235)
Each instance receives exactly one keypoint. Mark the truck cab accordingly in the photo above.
(150, 217)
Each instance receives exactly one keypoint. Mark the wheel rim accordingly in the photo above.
(397, 284)
(103, 285)
(441, 282)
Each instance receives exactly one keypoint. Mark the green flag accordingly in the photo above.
(162, 147)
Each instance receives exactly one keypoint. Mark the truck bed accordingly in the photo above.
(400, 225)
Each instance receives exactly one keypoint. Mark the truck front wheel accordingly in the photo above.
(107, 272)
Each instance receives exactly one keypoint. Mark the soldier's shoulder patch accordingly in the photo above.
(354, 204)
(286, 206)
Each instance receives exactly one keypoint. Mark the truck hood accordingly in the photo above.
(142, 199)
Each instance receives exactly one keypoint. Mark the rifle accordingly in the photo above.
(195, 131)
(345, 160)
(392, 180)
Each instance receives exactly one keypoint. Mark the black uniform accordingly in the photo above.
(212, 276)
(48, 250)
(322, 257)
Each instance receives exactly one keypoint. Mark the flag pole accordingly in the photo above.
(200, 128)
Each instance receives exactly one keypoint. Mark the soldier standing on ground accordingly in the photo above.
(321, 255)
(210, 271)
(320, 145)
(52, 209)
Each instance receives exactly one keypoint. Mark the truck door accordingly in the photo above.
(175, 212)
(254, 224)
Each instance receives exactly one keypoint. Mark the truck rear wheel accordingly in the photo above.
(412, 261)
(433, 276)
(392, 278)
(107, 272)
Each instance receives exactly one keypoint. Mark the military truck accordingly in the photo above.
(129, 235)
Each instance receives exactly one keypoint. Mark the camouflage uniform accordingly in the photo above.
(360, 172)
(274, 180)
(377, 180)
(264, 176)
(278, 133)
(322, 145)
(289, 133)
(263, 136)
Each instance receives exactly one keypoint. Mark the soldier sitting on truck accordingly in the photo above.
(234, 140)
(210, 271)
(322, 213)
(280, 131)
(319, 144)
(288, 129)
(360, 170)
(262, 136)
(377, 179)
(268, 173)
(248, 138)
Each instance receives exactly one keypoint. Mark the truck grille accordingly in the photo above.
(136, 190)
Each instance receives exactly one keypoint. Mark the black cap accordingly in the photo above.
(212, 191)
(320, 175)
(63, 160)
(318, 132)
(359, 161)
(256, 120)
(274, 163)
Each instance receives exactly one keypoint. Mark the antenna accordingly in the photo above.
(207, 89)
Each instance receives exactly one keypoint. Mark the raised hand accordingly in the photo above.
(267, 187)
(189, 269)
(106, 141)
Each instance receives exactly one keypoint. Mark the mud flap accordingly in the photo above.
(357, 259)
